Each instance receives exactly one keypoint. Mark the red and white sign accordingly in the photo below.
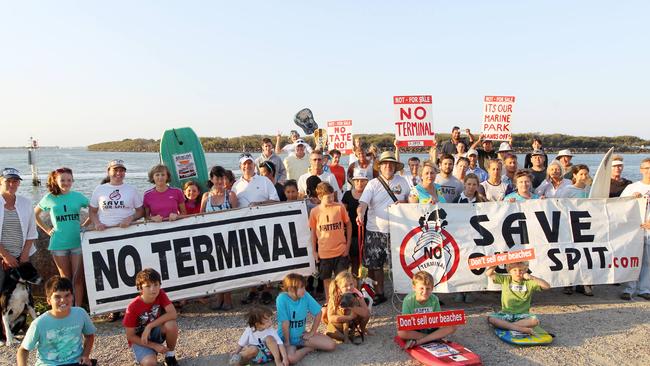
(497, 117)
(339, 136)
(502, 258)
(430, 320)
(413, 120)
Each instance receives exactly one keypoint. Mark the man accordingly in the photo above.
(641, 189)
(486, 153)
(617, 183)
(376, 198)
(316, 168)
(537, 145)
(504, 150)
(450, 186)
(537, 169)
(290, 148)
(511, 167)
(449, 147)
(269, 155)
(472, 155)
(297, 164)
(413, 175)
(564, 157)
(252, 189)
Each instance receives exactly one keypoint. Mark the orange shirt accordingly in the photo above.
(328, 222)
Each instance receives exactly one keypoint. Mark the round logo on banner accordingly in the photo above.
(426, 249)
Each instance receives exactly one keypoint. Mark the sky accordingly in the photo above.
(74, 73)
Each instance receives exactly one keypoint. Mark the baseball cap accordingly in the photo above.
(472, 152)
(11, 173)
(116, 163)
(244, 157)
(300, 142)
(537, 152)
(359, 173)
(617, 162)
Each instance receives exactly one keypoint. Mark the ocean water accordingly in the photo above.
(89, 167)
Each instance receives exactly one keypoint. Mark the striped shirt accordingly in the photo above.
(12, 233)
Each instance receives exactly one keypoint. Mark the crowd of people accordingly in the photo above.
(344, 204)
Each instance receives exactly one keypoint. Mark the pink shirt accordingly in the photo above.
(163, 203)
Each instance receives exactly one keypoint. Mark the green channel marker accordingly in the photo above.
(181, 151)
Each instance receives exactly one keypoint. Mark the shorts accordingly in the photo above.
(66, 252)
(141, 352)
(297, 342)
(333, 266)
(512, 317)
(263, 355)
(376, 249)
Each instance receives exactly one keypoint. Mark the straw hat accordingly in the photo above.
(389, 157)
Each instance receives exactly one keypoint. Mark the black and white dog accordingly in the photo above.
(16, 300)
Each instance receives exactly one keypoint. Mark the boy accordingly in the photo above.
(523, 188)
(150, 320)
(516, 292)
(260, 342)
(63, 335)
(331, 234)
(422, 300)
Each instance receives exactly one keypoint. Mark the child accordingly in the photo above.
(471, 192)
(331, 234)
(63, 335)
(192, 193)
(422, 300)
(344, 319)
(523, 187)
(291, 190)
(150, 320)
(293, 305)
(516, 293)
(260, 342)
(162, 201)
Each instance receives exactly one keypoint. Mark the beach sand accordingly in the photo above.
(599, 330)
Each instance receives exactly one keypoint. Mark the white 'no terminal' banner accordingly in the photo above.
(576, 241)
(199, 255)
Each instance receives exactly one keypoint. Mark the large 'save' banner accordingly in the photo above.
(576, 241)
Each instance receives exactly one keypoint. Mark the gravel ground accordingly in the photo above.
(599, 330)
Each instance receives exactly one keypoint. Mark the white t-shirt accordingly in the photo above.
(324, 177)
(644, 189)
(493, 192)
(252, 337)
(378, 200)
(291, 149)
(409, 178)
(115, 203)
(259, 189)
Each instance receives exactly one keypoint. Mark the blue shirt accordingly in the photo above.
(517, 197)
(480, 173)
(58, 341)
(295, 312)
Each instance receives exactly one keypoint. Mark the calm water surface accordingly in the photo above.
(89, 167)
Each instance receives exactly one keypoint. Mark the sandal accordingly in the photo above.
(410, 344)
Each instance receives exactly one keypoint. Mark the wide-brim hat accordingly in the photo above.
(389, 157)
(565, 152)
(505, 147)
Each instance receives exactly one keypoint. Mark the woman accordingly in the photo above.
(554, 181)
(362, 164)
(427, 191)
(471, 192)
(218, 199)
(163, 202)
(494, 187)
(64, 206)
(460, 169)
(351, 201)
(579, 189)
(115, 203)
(460, 151)
(18, 226)
(267, 169)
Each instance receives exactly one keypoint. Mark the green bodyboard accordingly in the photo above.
(181, 151)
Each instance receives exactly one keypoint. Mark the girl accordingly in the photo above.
(260, 342)
(351, 201)
(554, 181)
(356, 315)
(580, 187)
(293, 305)
(291, 190)
(219, 198)
(64, 206)
(267, 169)
(192, 193)
(162, 201)
(427, 191)
(470, 194)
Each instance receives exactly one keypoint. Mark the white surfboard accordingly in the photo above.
(601, 181)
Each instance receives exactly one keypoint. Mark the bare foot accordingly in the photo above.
(525, 330)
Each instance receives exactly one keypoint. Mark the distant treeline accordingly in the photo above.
(384, 141)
